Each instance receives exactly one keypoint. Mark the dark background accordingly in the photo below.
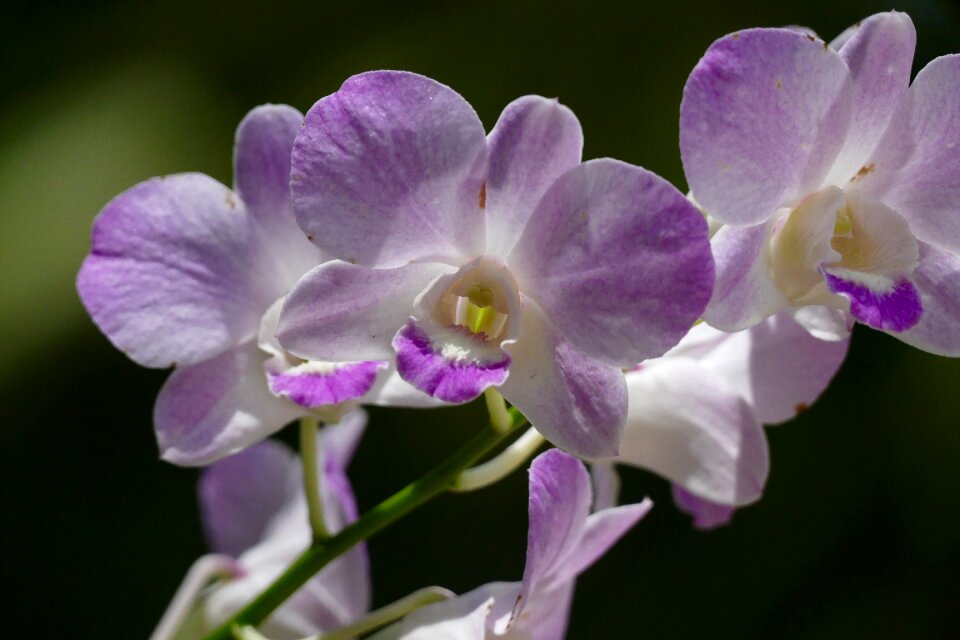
(858, 534)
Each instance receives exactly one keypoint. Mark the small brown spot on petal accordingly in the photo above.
(826, 45)
(811, 38)
(800, 408)
(778, 83)
(310, 237)
(864, 170)
(483, 196)
(352, 260)
(735, 36)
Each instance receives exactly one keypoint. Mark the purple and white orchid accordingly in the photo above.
(255, 511)
(186, 272)
(837, 181)
(564, 539)
(489, 261)
(697, 413)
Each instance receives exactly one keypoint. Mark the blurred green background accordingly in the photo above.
(858, 534)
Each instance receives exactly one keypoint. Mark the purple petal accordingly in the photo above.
(577, 403)
(602, 530)
(896, 308)
(938, 279)
(344, 313)
(685, 424)
(559, 504)
(337, 595)
(916, 167)
(241, 494)
(618, 259)
(534, 142)
(745, 292)
(346, 583)
(339, 442)
(390, 169)
(706, 514)
(879, 54)
(764, 114)
(210, 410)
(606, 485)
(451, 365)
(547, 616)
(170, 278)
(313, 384)
(776, 366)
(261, 160)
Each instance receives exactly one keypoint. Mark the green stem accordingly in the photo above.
(435, 482)
(311, 477)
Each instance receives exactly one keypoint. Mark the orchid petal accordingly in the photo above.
(169, 277)
(764, 114)
(706, 515)
(340, 592)
(745, 292)
(618, 259)
(390, 169)
(309, 383)
(686, 425)
(559, 504)
(823, 323)
(937, 278)
(601, 531)
(340, 312)
(261, 161)
(390, 390)
(881, 303)
(776, 366)
(577, 403)
(916, 166)
(209, 410)
(606, 485)
(314, 384)
(261, 169)
(534, 142)
(879, 54)
(450, 364)
(241, 494)
(462, 618)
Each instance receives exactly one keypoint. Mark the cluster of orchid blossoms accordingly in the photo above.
(385, 249)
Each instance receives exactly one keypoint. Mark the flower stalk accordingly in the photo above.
(311, 477)
(483, 475)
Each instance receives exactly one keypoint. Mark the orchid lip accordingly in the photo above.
(841, 232)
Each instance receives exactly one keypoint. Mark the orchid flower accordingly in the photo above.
(697, 413)
(836, 180)
(564, 539)
(255, 511)
(186, 272)
(484, 261)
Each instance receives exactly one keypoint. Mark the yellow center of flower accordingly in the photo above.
(843, 226)
(477, 312)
